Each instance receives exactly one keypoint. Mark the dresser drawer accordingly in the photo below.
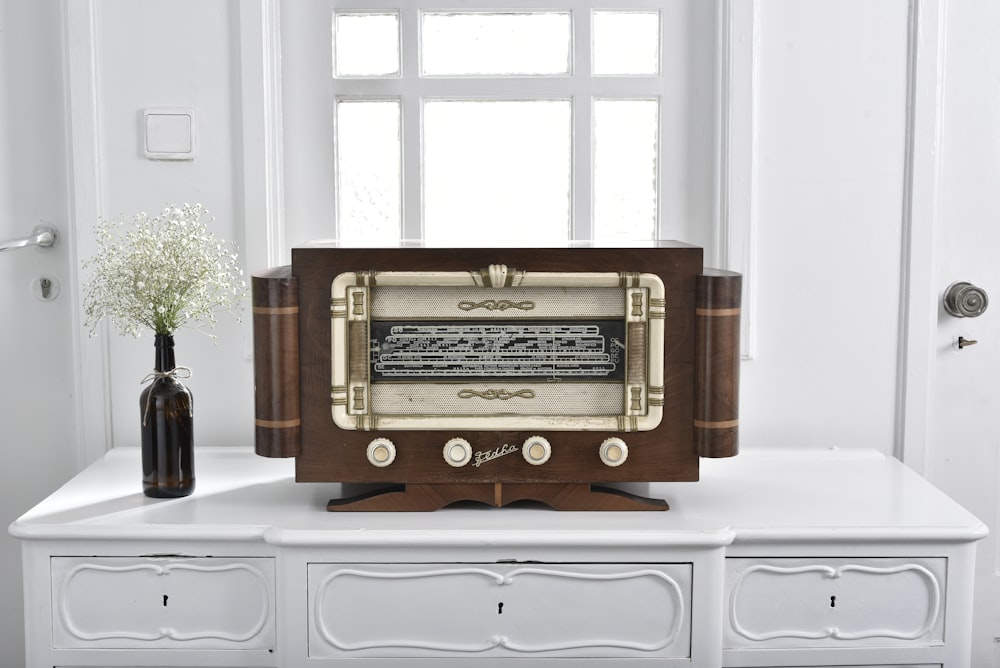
(566, 610)
(203, 603)
(778, 603)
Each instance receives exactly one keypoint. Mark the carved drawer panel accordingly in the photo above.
(773, 603)
(570, 610)
(203, 603)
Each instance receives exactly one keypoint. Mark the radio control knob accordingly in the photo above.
(536, 450)
(457, 452)
(613, 451)
(381, 452)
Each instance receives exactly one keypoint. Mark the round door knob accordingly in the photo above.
(536, 450)
(457, 452)
(614, 452)
(381, 452)
(965, 300)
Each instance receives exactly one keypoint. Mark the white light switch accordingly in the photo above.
(169, 134)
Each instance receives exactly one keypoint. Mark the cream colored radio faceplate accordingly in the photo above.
(497, 349)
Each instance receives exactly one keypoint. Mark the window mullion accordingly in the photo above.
(411, 103)
(506, 87)
(662, 112)
(582, 200)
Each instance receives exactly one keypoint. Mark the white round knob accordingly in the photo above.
(457, 452)
(381, 452)
(614, 452)
(536, 450)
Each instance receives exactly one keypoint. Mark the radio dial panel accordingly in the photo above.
(562, 351)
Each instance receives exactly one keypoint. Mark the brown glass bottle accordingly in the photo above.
(165, 411)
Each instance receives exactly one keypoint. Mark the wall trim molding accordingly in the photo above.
(259, 28)
(919, 296)
(736, 139)
(92, 384)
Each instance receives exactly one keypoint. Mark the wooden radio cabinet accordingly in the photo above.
(496, 374)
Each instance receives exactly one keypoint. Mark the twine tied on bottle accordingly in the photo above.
(175, 373)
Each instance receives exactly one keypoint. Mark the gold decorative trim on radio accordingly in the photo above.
(496, 305)
(503, 395)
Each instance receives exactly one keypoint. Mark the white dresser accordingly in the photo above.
(775, 558)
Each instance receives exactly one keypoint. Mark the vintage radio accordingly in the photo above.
(496, 375)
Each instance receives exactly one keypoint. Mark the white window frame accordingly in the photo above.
(578, 86)
(728, 230)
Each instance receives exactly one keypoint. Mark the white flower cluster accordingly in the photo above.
(161, 273)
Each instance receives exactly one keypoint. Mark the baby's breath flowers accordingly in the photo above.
(162, 272)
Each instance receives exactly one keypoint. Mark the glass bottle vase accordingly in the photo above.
(166, 414)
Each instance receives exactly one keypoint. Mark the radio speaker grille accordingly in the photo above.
(476, 399)
(421, 302)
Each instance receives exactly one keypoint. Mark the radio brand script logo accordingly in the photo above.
(489, 455)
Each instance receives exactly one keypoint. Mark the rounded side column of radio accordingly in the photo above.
(277, 411)
(717, 360)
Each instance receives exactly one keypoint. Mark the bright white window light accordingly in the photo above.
(366, 45)
(625, 173)
(489, 44)
(368, 170)
(511, 183)
(626, 43)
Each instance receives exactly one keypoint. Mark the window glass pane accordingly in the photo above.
(477, 43)
(368, 170)
(365, 45)
(626, 43)
(496, 171)
(625, 133)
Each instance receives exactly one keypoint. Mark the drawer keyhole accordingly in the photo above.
(164, 600)
(833, 601)
(500, 608)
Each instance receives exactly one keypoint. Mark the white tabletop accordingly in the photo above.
(759, 495)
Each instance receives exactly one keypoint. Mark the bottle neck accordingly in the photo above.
(164, 352)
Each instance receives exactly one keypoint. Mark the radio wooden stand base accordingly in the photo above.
(774, 558)
(565, 496)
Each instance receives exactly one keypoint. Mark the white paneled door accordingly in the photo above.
(37, 376)
(963, 438)
(37, 367)
(37, 392)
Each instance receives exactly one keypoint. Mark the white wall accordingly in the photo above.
(180, 53)
(830, 132)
